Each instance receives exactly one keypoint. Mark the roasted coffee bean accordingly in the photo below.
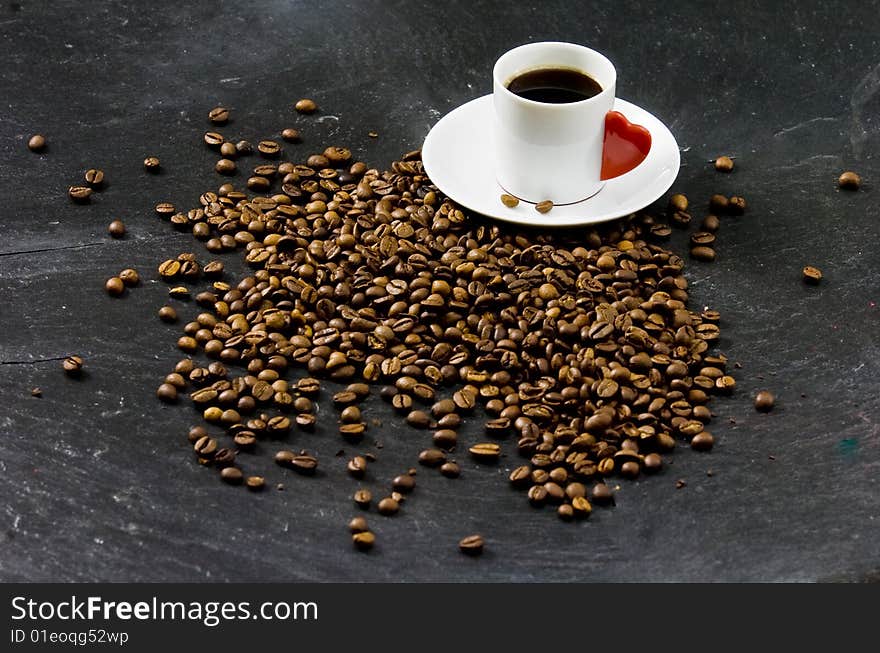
(544, 207)
(388, 506)
(702, 441)
(114, 286)
(445, 438)
(653, 462)
(358, 525)
(363, 497)
(849, 180)
(704, 238)
(485, 451)
(702, 253)
(418, 419)
(79, 194)
(404, 483)
(130, 277)
(213, 139)
(432, 457)
(36, 143)
(357, 466)
(678, 202)
(537, 495)
(718, 203)
(364, 541)
(72, 365)
(268, 148)
(736, 205)
(724, 164)
(601, 494)
(350, 415)
(94, 178)
(225, 166)
(450, 470)
(218, 115)
(152, 164)
(306, 106)
(509, 200)
(471, 545)
(255, 483)
(764, 401)
(165, 209)
(710, 223)
(812, 275)
(116, 229)
(291, 135)
(231, 475)
(304, 464)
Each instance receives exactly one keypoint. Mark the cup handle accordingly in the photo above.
(626, 145)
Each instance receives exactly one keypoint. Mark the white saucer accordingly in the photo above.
(457, 156)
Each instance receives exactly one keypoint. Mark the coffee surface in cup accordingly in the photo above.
(554, 85)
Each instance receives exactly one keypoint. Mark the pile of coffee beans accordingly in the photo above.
(576, 346)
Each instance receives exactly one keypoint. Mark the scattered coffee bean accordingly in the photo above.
(404, 483)
(165, 209)
(268, 148)
(94, 178)
(812, 275)
(73, 365)
(36, 143)
(130, 277)
(213, 139)
(724, 164)
(736, 205)
(79, 194)
(231, 475)
(291, 135)
(114, 286)
(306, 106)
(544, 207)
(485, 451)
(710, 223)
(388, 506)
(357, 466)
(225, 166)
(363, 541)
(255, 483)
(718, 203)
(152, 164)
(702, 253)
(702, 441)
(602, 494)
(764, 401)
(509, 200)
(849, 180)
(471, 545)
(363, 497)
(218, 115)
(358, 525)
(167, 393)
(450, 470)
(116, 229)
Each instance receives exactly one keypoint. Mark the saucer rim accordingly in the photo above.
(568, 220)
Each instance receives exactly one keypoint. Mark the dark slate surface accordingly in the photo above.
(96, 480)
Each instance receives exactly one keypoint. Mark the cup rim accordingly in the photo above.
(499, 83)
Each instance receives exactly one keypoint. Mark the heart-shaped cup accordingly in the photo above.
(561, 151)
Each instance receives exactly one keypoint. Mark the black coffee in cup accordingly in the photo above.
(554, 85)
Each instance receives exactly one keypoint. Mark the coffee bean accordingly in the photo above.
(678, 202)
(179, 292)
(363, 497)
(432, 457)
(255, 483)
(653, 462)
(231, 475)
(167, 393)
(358, 525)
(268, 148)
(350, 415)
(304, 464)
(764, 401)
(116, 229)
(306, 106)
(357, 466)
(218, 115)
(418, 419)
(337, 155)
(485, 451)
(544, 207)
(213, 139)
(849, 180)
(736, 205)
(710, 223)
(724, 164)
(363, 541)
(79, 194)
(702, 441)
(94, 177)
(152, 164)
(445, 438)
(702, 253)
(718, 203)
(169, 269)
(602, 494)
(702, 238)
(165, 209)
(225, 166)
(471, 545)
(450, 470)
(291, 135)
(812, 275)
(114, 286)
(72, 365)
(509, 200)
(130, 277)
(388, 506)
(36, 143)
(404, 483)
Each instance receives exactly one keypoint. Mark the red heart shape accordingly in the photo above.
(626, 145)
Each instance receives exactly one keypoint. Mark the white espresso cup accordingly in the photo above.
(555, 152)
